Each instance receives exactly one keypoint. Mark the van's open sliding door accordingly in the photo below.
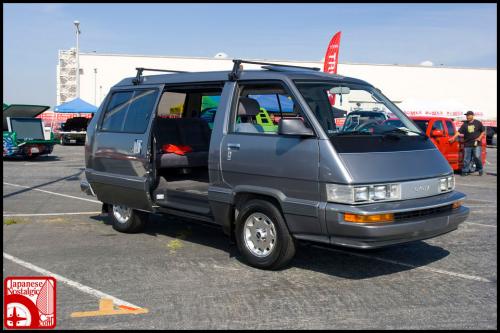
(121, 168)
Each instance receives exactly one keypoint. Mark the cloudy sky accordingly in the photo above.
(448, 34)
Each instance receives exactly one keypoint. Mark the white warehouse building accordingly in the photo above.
(418, 89)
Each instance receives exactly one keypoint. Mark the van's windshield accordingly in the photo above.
(368, 112)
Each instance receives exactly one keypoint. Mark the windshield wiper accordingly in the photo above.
(406, 131)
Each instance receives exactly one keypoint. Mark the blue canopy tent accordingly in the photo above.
(76, 105)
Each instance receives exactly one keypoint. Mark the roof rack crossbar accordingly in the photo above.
(137, 79)
(235, 73)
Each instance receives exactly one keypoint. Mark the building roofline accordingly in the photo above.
(279, 60)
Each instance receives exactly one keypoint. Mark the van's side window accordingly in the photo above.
(261, 106)
(171, 105)
(451, 128)
(129, 111)
(115, 112)
(209, 104)
(139, 112)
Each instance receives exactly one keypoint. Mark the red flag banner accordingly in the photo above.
(332, 54)
(331, 59)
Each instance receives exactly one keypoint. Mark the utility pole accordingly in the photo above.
(95, 86)
(77, 25)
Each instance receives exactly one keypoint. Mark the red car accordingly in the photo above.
(439, 130)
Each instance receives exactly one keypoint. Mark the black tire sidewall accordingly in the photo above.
(282, 234)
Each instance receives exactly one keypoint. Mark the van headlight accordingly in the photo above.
(447, 183)
(363, 194)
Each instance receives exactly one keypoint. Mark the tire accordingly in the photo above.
(127, 220)
(273, 246)
(32, 156)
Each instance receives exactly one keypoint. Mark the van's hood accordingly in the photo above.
(358, 159)
(21, 110)
(376, 167)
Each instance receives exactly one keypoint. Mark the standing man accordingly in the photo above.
(473, 132)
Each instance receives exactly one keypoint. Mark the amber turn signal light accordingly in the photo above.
(356, 218)
(457, 204)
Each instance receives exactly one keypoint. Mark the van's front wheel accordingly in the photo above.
(262, 236)
(126, 219)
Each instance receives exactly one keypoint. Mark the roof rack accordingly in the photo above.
(137, 79)
(235, 73)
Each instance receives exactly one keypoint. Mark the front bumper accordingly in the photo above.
(372, 235)
(28, 149)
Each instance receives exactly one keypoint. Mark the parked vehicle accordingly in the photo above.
(73, 130)
(360, 188)
(23, 134)
(440, 130)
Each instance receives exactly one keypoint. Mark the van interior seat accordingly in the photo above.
(248, 110)
(192, 132)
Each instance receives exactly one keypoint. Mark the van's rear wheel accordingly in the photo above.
(126, 219)
(262, 236)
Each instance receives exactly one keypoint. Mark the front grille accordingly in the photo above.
(422, 212)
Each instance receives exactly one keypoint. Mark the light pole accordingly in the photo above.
(95, 86)
(77, 25)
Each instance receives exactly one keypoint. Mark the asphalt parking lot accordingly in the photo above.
(188, 276)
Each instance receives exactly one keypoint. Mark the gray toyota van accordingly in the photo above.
(260, 153)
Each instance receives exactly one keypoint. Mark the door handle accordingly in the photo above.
(233, 146)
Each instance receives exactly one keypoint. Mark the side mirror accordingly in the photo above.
(437, 133)
(294, 126)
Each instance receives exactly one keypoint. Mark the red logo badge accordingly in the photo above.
(29, 302)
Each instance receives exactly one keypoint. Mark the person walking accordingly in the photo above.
(473, 132)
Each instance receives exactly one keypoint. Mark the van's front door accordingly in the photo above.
(121, 168)
(259, 160)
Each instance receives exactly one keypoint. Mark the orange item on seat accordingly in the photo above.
(176, 149)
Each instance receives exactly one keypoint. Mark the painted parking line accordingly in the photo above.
(470, 185)
(107, 308)
(71, 283)
(54, 193)
(429, 269)
(484, 225)
(478, 200)
(51, 214)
